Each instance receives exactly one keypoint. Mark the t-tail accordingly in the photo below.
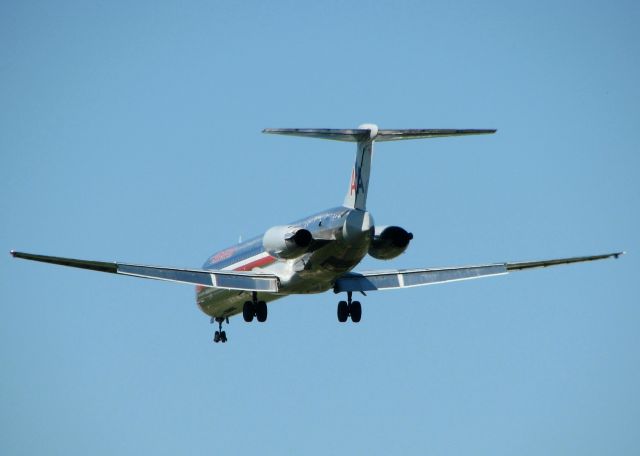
(365, 135)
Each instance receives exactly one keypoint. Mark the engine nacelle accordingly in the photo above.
(389, 242)
(286, 241)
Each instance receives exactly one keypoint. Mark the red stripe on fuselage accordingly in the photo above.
(256, 264)
(247, 267)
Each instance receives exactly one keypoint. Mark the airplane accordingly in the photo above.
(314, 254)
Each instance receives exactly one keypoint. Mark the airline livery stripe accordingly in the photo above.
(256, 264)
(255, 261)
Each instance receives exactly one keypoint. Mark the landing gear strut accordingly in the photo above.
(254, 308)
(348, 309)
(220, 335)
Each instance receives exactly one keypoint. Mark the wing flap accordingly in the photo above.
(369, 281)
(231, 280)
(253, 282)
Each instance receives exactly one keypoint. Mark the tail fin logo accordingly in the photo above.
(353, 182)
(356, 181)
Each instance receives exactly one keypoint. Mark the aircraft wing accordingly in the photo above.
(403, 278)
(232, 280)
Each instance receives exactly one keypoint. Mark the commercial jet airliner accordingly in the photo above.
(315, 254)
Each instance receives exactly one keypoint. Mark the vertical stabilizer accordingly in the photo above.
(356, 197)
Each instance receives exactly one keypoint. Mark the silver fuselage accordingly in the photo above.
(341, 240)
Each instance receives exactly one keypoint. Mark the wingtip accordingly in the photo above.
(12, 253)
(619, 254)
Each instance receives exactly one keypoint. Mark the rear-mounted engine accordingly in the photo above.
(287, 241)
(389, 242)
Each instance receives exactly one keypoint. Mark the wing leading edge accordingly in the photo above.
(231, 280)
(403, 278)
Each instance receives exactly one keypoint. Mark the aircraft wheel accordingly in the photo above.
(216, 337)
(223, 337)
(355, 310)
(261, 311)
(247, 311)
(343, 311)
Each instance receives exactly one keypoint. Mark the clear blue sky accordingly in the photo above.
(131, 131)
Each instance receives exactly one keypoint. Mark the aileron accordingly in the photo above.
(546, 263)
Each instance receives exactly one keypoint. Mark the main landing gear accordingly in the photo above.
(348, 309)
(220, 335)
(254, 308)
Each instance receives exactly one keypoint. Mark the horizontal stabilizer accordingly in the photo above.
(230, 280)
(359, 134)
(395, 135)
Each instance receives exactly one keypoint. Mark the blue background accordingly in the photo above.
(131, 132)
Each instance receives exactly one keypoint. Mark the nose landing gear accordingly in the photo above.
(348, 309)
(220, 335)
(253, 308)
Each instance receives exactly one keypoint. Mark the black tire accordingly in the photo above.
(343, 311)
(261, 311)
(247, 311)
(216, 337)
(223, 337)
(355, 310)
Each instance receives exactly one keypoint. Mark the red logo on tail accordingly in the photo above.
(354, 187)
